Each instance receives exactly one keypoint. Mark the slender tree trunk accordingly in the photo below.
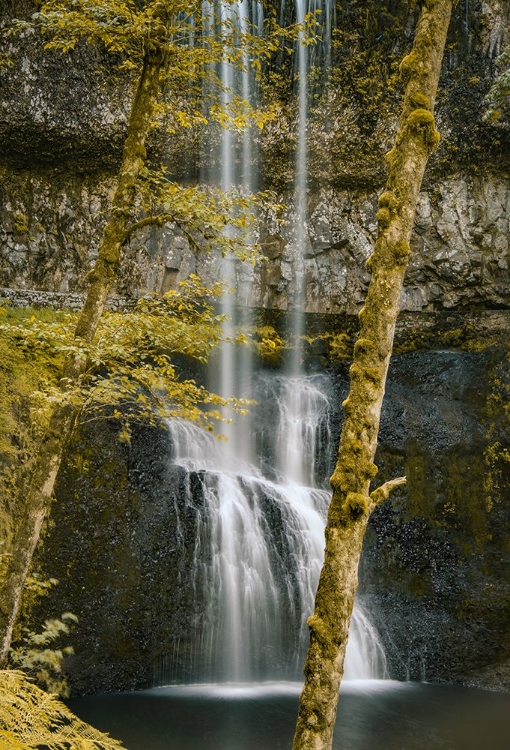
(352, 502)
(38, 499)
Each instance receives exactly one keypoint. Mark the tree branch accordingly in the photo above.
(159, 221)
(150, 221)
(383, 492)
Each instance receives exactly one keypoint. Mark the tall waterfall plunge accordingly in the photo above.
(235, 170)
(258, 546)
(258, 525)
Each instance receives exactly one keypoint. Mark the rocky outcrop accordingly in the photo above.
(460, 255)
(62, 122)
(434, 574)
(68, 111)
(51, 227)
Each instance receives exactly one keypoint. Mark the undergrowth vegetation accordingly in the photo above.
(31, 718)
(22, 374)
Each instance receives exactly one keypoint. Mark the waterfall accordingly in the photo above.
(258, 525)
(303, 415)
(300, 192)
(258, 550)
(306, 57)
(296, 400)
(236, 171)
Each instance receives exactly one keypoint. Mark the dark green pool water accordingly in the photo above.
(373, 715)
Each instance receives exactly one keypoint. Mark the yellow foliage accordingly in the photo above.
(130, 30)
(130, 374)
(31, 719)
(268, 343)
(22, 374)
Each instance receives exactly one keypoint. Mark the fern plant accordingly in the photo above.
(31, 719)
(36, 655)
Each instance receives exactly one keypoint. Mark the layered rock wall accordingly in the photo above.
(63, 119)
(435, 571)
(51, 228)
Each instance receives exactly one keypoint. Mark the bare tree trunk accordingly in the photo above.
(352, 502)
(38, 498)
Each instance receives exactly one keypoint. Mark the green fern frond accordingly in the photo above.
(31, 718)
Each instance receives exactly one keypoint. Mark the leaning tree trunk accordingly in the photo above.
(38, 499)
(352, 502)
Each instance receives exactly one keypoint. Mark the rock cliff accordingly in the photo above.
(62, 121)
(435, 570)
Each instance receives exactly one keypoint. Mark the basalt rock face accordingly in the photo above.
(123, 545)
(64, 111)
(51, 229)
(436, 567)
(63, 119)
(435, 570)
(460, 254)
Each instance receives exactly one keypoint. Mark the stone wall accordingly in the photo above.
(57, 300)
(51, 227)
(435, 569)
(62, 122)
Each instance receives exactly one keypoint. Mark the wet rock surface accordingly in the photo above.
(123, 567)
(435, 570)
(436, 565)
(63, 119)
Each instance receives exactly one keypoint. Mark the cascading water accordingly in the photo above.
(236, 171)
(258, 550)
(302, 432)
(259, 534)
(306, 57)
(295, 401)
(300, 191)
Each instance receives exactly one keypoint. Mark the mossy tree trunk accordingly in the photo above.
(37, 502)
(352, 503)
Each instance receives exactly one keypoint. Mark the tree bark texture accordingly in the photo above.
(352, 503)
(38, 499)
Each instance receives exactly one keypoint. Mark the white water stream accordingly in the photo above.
(235, 170)
(259, 536)
(259, 548)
